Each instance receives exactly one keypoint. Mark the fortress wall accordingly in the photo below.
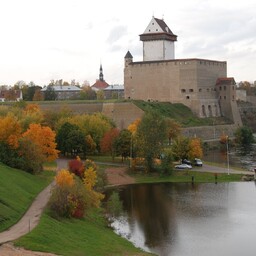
(123, 114)
(78, 108)
(209, 132)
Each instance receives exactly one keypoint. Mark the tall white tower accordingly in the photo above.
(158, 41)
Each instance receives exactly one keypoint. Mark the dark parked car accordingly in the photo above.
(198, 162)
(186, 161)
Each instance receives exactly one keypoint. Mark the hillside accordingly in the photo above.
(180, 113)
(17, 191)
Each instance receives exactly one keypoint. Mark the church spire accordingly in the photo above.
(101, 78)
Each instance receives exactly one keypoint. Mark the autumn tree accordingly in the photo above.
(95, 125)
(72, 196)
(134, 126)
(150, 137)
(10, 130)
(108, 142)
(181, 147)
(31, 156)
(173, 129)
(44, 138)
(196, 150)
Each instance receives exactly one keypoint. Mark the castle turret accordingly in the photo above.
(158, 41)
(128, 59)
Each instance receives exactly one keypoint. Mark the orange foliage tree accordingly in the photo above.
(107, 144)
(44, 138)
(10, 131)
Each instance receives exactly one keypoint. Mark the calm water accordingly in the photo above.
(237, 157)
(185, 219)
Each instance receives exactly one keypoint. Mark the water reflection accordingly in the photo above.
(244, 157)
(186, 219)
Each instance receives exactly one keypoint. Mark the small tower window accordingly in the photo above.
(191, 90)
(187, 97)
(183, 90)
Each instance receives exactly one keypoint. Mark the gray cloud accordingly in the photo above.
(116, 34)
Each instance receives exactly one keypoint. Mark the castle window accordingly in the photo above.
(207, 89)
(157, 29)
(220, 97)
(183, 90)
(224, 97)
(200, 89)
(187, 97)
(220, 88)
(203, 110)
(191, 90)
(224, 88)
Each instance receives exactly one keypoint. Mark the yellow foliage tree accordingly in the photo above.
(196, 150)
(134, 125)
(65, 178)
(10, 130)
(90, 179)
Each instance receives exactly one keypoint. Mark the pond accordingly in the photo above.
(185, 219)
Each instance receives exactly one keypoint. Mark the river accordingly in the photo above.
(184, 219)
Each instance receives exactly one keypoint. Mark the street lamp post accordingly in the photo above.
(130, 163)
(227, 154)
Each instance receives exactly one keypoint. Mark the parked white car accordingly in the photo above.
(183, 166)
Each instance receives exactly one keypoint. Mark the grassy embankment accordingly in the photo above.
(17, 191)
(180, 113)
(90, 236)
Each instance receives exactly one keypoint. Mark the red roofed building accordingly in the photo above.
(100, 84)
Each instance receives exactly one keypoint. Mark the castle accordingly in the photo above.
(200, 84)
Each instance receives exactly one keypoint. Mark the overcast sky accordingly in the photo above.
(42, 40)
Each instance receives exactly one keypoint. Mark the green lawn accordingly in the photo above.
(89, 236)
(17, 191)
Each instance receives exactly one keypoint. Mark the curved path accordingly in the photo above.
(31, 218)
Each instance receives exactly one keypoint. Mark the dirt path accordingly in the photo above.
(118, 176)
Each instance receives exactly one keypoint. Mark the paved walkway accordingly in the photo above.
(30, 219)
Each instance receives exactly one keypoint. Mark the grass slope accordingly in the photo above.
(179, 112)
(89, 236)
(17, 191)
